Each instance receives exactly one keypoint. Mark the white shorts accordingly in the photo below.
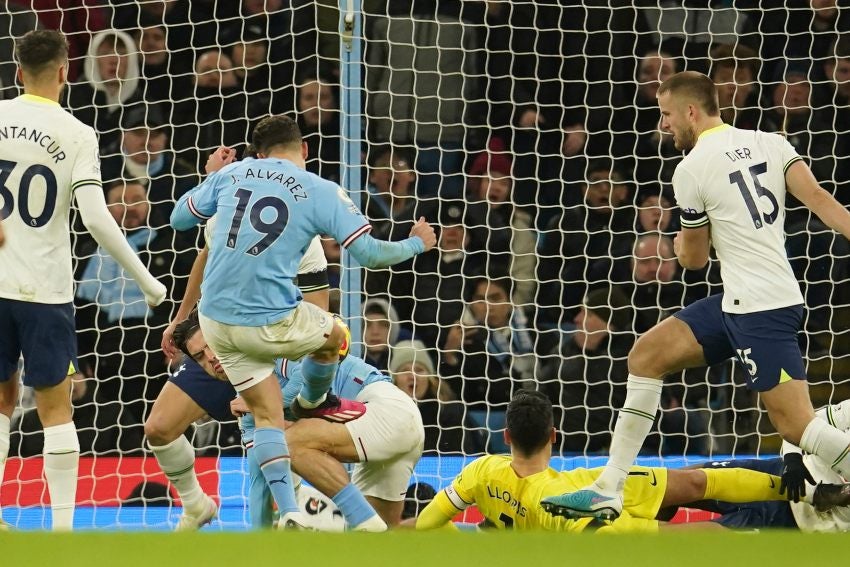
(247, 354)
(389, 439)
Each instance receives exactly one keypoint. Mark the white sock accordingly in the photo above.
(5, 426)
(61, 462)
(373, 524)
(634, 421)
(177, 461)
(830, 444)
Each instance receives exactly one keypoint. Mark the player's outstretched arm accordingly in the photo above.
(105, 231)
(374, 253)
(801, 183)
(2, 236)
(190, 300)
(437, 514)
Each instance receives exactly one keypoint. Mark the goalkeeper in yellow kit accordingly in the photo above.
(507, 489)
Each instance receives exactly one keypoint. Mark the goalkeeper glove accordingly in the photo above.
(794, 477)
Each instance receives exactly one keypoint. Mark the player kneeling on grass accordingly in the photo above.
(507, 489)
(385, 443)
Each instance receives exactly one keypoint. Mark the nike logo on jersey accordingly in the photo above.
(653, 482)
(772, 482)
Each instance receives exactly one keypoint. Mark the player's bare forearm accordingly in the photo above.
(193, 287)
(831, 212)
(802, 184)
(692, 247)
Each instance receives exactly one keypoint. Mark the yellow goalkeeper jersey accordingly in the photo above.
(508, 501)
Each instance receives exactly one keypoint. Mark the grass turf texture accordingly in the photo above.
(415, 548)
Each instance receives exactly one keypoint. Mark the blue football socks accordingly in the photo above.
(272, 454)
(318, 377)
(353, 505)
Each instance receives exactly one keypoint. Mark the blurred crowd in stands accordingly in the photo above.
(527, 131)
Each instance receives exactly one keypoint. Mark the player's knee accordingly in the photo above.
(643, 360)
(158, 431)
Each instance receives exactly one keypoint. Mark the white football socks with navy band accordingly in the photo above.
(830, 444)
(643, 396)
(61, 465)
(177, 461)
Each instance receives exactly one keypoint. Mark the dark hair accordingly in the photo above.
(496, 277)
(694, 87)
(529, 421)
(734, 57)
(276, 131)
(38, 49)
(185, 330)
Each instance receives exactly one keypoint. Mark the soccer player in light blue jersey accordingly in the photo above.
(251, 312)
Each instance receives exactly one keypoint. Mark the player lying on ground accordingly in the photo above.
(507, 489)
(190, 394)
(49, 158)
(250, 310)
(385, 443)
(796, 470)
(731, 188)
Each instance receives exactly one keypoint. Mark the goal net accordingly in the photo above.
(526, 132)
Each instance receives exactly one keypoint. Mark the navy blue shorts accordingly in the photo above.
(765, 343)
(44, 333)
(211, 394)
(775, 514)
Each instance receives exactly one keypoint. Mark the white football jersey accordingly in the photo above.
(837, 519)
(45, 155)
(734, 180)
(313, 261)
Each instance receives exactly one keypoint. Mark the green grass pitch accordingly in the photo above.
(406, 548)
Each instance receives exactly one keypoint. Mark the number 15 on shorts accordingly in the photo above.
(744, 355)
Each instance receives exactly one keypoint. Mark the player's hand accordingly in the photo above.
(677, 243)
(794, 477)
(221, 157)
(156, 294)
(426, 232)
(238, 407)
(167, 345)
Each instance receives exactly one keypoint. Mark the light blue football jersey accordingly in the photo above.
(352, 376)
(269, 211)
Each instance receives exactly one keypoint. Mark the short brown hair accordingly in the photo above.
(39, 48)
(694, 87)
(276, 131)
